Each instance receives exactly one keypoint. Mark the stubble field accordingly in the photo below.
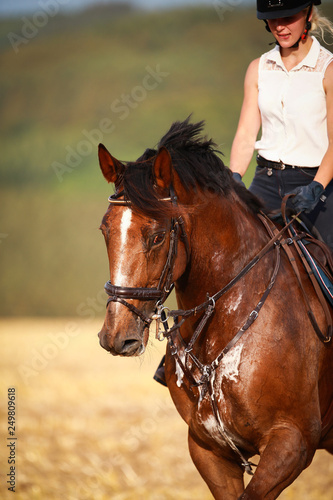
(93, 427)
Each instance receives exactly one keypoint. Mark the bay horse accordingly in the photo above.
(244, 366)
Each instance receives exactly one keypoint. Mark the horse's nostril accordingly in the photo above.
(129, 343)
(128, 347)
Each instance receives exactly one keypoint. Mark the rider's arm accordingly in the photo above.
(249, 123)
(325, 171)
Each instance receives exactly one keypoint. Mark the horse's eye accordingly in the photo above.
(158, 239)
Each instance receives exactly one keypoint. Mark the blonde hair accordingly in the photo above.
(321, 25)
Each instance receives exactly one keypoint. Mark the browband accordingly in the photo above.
(115, 199)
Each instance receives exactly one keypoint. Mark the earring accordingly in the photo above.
(307, 29)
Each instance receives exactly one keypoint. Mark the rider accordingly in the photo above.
(288, 92)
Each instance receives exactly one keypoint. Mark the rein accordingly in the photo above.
(294, 237)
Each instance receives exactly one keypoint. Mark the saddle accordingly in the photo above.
(317, 259)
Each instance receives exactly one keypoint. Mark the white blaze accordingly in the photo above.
(124, 228)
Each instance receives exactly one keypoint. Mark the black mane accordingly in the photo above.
(196, 161)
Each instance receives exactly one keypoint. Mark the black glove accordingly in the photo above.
(306, 197)
(238, 178)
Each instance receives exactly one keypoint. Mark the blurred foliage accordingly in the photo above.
(88, 78)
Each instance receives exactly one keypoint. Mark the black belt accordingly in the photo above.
(262, 162)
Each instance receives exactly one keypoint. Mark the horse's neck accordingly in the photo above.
(224, 238)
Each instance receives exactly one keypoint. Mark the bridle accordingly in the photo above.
(165, 285)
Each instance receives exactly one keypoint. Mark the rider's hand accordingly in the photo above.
(306, 197)
(238, 178)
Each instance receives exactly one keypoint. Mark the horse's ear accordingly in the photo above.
(163, 169)
(110, 166)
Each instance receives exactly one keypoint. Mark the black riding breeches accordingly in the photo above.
(271, 185)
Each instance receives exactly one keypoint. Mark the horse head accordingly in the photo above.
(145, 249)
(161, 209)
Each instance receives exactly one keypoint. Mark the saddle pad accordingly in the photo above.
(323, 280)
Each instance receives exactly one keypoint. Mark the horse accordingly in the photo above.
(243, 364)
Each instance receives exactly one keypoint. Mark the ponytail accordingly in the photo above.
(321, 25)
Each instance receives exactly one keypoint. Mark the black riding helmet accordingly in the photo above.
(275, 9)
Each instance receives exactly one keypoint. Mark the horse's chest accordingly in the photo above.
(227, 369)
(214, 412)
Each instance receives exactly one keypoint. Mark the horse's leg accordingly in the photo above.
(223, 477)
(283, 459)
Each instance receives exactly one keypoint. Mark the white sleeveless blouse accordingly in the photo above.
(293, 108)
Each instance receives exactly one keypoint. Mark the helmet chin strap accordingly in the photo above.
(304, 34)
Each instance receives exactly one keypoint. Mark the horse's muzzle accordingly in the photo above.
(121, 345)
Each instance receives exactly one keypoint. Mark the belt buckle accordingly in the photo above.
(282, 165)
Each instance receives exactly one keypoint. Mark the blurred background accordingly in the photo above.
(118, 73)
(115, 72)
(73, 74)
